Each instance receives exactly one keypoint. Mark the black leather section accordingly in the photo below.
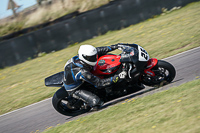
(68, 74)
(96, 81)
(103, 50)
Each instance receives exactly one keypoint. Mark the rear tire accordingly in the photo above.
(63, 105)
(164, 74)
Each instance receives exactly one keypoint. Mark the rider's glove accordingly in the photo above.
(119, 76)
(115, 79)
(115, 46)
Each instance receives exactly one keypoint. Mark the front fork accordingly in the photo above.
(127, 67)
(150, 64)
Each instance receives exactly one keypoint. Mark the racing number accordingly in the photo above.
(144, 53)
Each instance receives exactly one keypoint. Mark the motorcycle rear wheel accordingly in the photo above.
(63, 105)
(164, 74)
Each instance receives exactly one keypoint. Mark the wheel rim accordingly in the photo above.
(162, 76)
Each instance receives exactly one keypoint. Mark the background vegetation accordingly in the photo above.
(49, 13)
(162, 36)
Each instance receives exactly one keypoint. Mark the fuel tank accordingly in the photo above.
(106, 65)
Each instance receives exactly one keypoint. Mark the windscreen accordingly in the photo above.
(129, 54)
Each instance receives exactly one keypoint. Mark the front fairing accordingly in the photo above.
(133, 53)
(107, 64)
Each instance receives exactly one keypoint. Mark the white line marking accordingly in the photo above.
(182, 53)
(25, 107)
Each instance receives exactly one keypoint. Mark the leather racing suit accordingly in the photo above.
(76, 72)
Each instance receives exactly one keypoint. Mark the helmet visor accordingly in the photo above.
(92, 58)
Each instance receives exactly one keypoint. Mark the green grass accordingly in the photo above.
(11, 27)
(176, 110)
(163, 36)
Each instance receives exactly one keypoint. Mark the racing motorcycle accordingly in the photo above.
(154, 73)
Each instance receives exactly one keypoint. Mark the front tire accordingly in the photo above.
(164, 74)
(66, 106)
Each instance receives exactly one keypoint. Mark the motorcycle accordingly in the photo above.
(154, 73)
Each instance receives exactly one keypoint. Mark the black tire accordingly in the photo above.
(165, 73)
(61, 104)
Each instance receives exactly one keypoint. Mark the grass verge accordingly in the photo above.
(175, 110)
(163, 36)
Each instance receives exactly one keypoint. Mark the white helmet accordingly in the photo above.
(88, 54)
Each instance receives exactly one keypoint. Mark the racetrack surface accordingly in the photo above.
(40, 116)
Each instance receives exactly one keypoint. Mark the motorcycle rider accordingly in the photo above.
(77, 71)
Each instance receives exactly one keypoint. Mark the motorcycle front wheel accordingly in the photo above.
(164, 74)
(68, 106)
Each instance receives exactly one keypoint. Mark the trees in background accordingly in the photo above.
(13, 6)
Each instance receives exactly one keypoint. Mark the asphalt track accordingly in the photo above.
(40, 116)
